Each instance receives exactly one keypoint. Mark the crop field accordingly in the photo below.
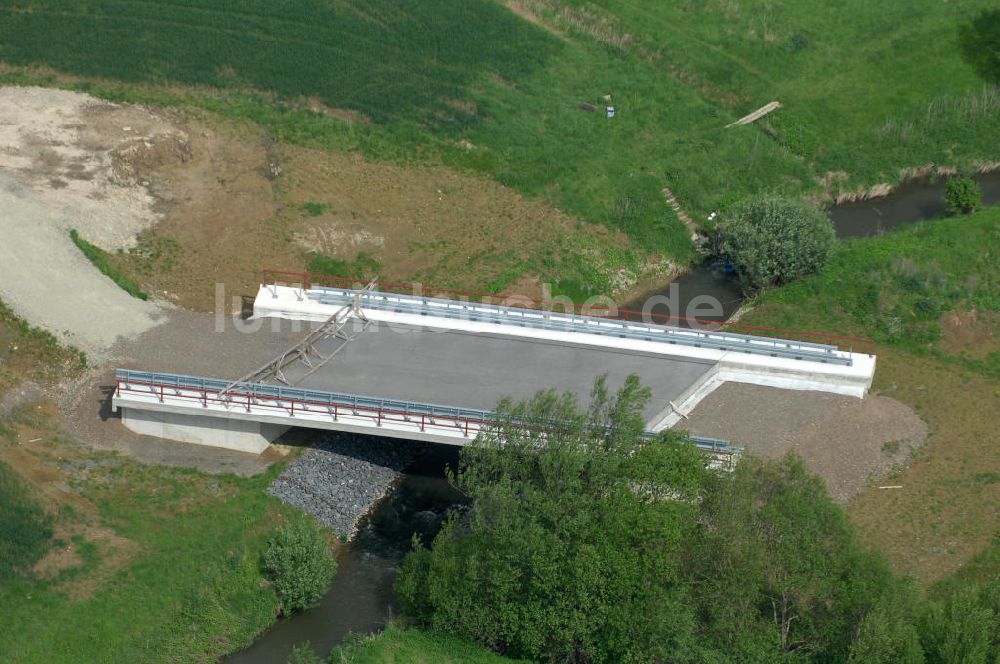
(867, 89)
(475, 85)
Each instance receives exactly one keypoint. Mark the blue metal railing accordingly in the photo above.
(240, 391)
(500, 315)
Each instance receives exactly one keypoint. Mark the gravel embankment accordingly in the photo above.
(340, 478)
(848, 442)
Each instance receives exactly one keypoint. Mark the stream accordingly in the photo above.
(361, 598)
(913, 201)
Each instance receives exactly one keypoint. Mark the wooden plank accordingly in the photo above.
(756, 115)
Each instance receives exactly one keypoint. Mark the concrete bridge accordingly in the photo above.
(429, 368)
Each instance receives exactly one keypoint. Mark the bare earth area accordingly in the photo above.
(427, 223)
(57, 173)
(848, 442)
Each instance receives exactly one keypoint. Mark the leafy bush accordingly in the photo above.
(965, 626)
(962, 195)
(773, 240)
(778, 568)
(886, 638)
(303, 653)
(300, 565)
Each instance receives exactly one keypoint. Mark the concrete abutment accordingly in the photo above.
(227, 432)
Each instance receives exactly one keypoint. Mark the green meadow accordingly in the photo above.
(867, 89)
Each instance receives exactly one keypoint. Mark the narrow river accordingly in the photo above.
(361, 598)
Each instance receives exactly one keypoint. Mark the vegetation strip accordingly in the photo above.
(102, 260)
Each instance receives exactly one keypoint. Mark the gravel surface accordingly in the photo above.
(341, 477)
(66, 163)
(848, 442)
(76, 156)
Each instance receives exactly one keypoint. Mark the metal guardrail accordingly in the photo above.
(844, 342)
(489, 313)
(157, 382)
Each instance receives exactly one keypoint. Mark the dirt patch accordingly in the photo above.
(187, 202)
(218, 221)
(848, 442)
(73, 151)
(970, 332)
(949, 507)
(423, 223)
(59, 171)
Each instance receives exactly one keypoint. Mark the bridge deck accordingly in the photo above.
(472, 370)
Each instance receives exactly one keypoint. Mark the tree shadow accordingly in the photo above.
(979, 44)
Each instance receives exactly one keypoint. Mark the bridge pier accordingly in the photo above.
(227, 432)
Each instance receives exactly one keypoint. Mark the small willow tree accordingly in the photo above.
(962, 195)
(772, 240)
(300, 565)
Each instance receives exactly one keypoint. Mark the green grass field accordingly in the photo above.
(179, 580)
(868, 89)
(25, 529)
(896, 288)
(930, 296)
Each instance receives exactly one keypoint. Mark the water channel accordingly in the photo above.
(361, 597)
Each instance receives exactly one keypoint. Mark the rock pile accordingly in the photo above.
(340, 478)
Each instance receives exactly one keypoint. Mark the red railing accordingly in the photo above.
(844, 342)
(288, 405)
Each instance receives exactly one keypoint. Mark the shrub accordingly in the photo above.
(962, 195)
(300, 565)
(303, 653)
(772, 240)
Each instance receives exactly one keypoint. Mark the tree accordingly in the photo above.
(571, 548)
(300, 565)
(979, 43)
(772, 240)
(886, 638)
(780, 574)
(963, 628)
(962, 195)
